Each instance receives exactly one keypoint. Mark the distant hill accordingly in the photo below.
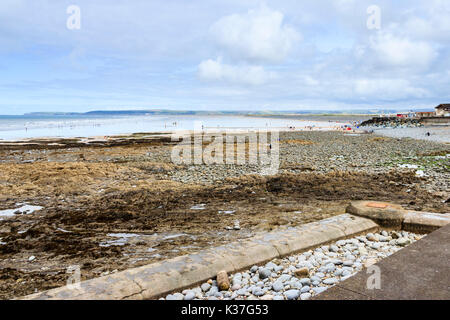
(193, 112)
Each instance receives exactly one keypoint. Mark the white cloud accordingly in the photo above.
(215, 70)
(395, 51)
(387, 89)
(257, 35)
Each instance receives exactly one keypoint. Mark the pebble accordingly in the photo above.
(307, 274)
(264, 273)
(292, 294)
(305, 289)
(189, 296)
(302, 272)
(205, 287)
(305, 296)
(330, 281)
(277, 286)
(402, 242)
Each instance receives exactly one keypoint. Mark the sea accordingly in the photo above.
(71, 126)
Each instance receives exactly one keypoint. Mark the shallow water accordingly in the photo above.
(25, 209)
(20, 127)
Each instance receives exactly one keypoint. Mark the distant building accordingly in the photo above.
(443, 110)
(425, 114)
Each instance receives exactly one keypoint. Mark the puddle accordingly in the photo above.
(123, 235)
(121, 241)
(198, 207)
(25, 209)
(227, 211)
(174, 236)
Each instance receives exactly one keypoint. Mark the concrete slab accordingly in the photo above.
(421, 271)
(391, 215)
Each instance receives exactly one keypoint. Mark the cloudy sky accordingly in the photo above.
(223, 55)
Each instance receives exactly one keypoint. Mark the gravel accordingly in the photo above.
(328, 266)
(330, 151)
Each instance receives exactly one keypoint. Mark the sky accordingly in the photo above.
(223, 55)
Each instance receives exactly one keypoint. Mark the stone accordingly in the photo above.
(337, 272)
(190, 295)
(284, 278)
(403, 242)
(212, 291)
(372, 237)
(305, 289)
(257, 291)
(267, 297)
(178, 296)
(318, 290)
(319, 255)
(305, 281)
(302, 272)
(305, 296)
(278, 298)
(348, 263)
(235, 287)
(241, 292)
(334, 248)
(330, 267)
(205, 287)
(277, 286)
(278, 269)
(330, 281)
(222, 280)
(336, 262)
(271, 265)
(292, 294)
(363, 251)
(254, 269)
(264, 273)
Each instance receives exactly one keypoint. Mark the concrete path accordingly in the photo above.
(421, 271)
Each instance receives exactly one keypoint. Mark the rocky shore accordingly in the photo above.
(302, 276)
(112, 205)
